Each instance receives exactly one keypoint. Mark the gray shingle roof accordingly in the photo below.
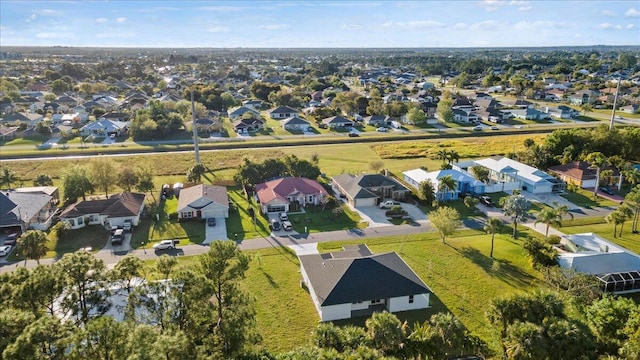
(356, 186)
(339, 279)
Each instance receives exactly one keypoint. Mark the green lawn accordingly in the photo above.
(584, 198)
(316, 220)
(93, 236)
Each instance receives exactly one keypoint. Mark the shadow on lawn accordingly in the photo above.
(500, 268)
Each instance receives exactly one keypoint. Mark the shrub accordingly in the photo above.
(553, 239)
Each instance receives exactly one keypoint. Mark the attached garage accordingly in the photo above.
(276, 208)
(203, 201)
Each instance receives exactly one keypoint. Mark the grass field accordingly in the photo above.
(93, 236)
(584, 198)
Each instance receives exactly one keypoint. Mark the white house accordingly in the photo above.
(295, 123)
(354, 282)
(282, 112)
(617, 268)
(465, 182)
(203, 202)
(104, 128)
(507, 175)
(113, 211)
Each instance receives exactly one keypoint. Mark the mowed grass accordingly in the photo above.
(167, 226)
(93, 236)
(240, 222)
(584, 198)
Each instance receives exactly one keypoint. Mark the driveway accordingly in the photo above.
(122, 248)
(550, 199)
(218, 232)
(373, 215)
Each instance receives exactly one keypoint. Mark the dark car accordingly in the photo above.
(606, 190)
(211, 221)
(275, 225)
(353, 134)
(486, 201)
(11, 239)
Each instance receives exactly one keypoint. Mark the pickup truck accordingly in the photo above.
(388, 204)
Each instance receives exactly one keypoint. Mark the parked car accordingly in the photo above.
(275, 225)
(495, 128)
(128, 226)
(463, 195)
(286, 225)
(211, 221)
(117, 237)
(11, 239)
(165, 245)
(284, 216)
(607, 190)
(485, 200)
(477, 128)
(382, 129)
(352, 134)
(388, 204)
(5, 250)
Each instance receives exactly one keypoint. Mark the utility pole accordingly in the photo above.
(195, 129)
(615, 102)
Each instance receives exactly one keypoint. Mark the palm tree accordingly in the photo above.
(492, 226)
(549, 217)
(598, 161)
(33, 244)
(632, 175)
(446, 184)
(616, 218)
(562, 210)
(442, 155)
(625, 214)
(7, 177)
(452, 156)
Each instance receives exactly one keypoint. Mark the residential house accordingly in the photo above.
(253, 104)
(530, 114)
(616, 268)
(296, 124)
(206, 125)
(27, 209)
(289, 194)
(282, 112)
(116, 116)
(247, 125)
(561, 112)
(377, 120)
(105, 128)
(463, 103)
(581, 97)
(337, 122)
(493, 115)
(581, 173)
(23, 118)
(239, 112)
(554, 95)
(368, 189)
(507, 175)
(631, 109)
(464, 116)
(203, 202)
(355, 282)
(8, 132)
(465, 182)
(112, 211)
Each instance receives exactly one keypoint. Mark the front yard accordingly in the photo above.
(93, 236)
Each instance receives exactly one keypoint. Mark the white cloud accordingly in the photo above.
(608, 13)
(540, 25)
(351, 27)
(608, 26)
(631, 26)
(217, 29)
(488, 25)
(49, 12)
(632, 13)
(525, 8)
(413, 25)
(275, 27)
(55, 35)
(460, 26)
(101, 20)
(115, 35)
(120, 20)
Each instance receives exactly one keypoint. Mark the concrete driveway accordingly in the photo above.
(376, 216)
(122, 248)
(218, 232)
(549, 199)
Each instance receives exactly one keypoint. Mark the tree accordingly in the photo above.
(515, 207)
(145, 180)
(445, 220)
(43, 338)
(127, 178)
(224, 265)
(427, 192)
(103, 173)
(416, 116)
(76, 183)
(471, 202)
(481, 173)
(548, 216)
(195, 173)
(444, 111)
(632, 199)
(43, 180)
(607, 318)
(625, 214)
(87, 293)
(101, 338)
(385, 332)
(33, 244)
(127, 270)
(7, 177)
(492, 226)
(39, 292)
(616, 218)
(445, 185)
(165, 265)
(598, 162)
(375, 166)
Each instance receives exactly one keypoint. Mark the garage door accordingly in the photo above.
(276, 208)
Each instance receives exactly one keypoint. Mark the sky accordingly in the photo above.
(319, 24)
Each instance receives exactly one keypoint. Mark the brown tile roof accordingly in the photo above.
(281, 188)
(578, 170)
(119, 205)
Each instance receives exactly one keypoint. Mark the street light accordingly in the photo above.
(143, 248)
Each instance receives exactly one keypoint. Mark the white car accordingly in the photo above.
(165, 245)
(5, 250)
(382, 129)
(478, 128)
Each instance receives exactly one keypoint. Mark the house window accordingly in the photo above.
(410, 299)
(375, 301)
(80, 221)
(187, 215)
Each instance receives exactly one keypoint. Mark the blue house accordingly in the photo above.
(464, 181)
